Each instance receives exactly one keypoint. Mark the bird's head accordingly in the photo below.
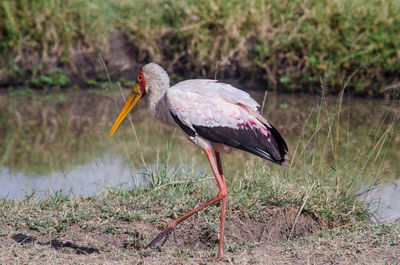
(150, 80)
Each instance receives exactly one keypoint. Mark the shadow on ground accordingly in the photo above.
(54, 243)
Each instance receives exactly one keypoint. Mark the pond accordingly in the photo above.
(58, 142)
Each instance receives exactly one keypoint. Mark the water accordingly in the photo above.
(86, 179)
(386, 202)
(61, 145)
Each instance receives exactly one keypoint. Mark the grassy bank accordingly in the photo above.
(114, 227)
(286, 46)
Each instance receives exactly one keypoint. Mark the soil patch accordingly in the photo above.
(273, 225)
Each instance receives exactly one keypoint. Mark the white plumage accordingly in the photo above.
(204, 102)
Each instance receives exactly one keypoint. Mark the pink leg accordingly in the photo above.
(223, 192)
(223, 209)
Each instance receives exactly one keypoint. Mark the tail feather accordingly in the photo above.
(278, 146)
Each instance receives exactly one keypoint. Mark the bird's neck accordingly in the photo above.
(156, 101)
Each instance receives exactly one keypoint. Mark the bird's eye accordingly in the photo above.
(140, 78)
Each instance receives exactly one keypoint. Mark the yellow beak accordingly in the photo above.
(133, 99)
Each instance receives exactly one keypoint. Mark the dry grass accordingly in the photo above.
(373, 244)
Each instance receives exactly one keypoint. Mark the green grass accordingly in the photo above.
(287, 46)
(49, 28)
(294, 44)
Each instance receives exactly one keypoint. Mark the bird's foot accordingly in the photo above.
(164, 234)
(218, 258)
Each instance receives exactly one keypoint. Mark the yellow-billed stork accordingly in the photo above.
(215, 116)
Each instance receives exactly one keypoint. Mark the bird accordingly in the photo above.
(216, 117)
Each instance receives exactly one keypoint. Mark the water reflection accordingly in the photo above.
(87, 179)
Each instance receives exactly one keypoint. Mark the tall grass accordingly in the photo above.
(290, 44)
(38, 37)
(286, 45)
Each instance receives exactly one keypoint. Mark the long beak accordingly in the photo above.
(133, 99)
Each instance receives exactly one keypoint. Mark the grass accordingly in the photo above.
(49, 28)
(286, 46)
(375, 243)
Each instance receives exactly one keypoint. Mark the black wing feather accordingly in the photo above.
(246, 139)
(273, 148)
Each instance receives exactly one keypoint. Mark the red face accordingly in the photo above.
(142, 83)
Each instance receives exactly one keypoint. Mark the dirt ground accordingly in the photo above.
(263, 240)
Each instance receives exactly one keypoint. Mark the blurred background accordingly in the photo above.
(331, 70)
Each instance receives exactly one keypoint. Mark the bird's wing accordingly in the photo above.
(211, 88)
(221, 113)
(197, 109)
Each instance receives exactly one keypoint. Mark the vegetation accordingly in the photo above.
(284, 45)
